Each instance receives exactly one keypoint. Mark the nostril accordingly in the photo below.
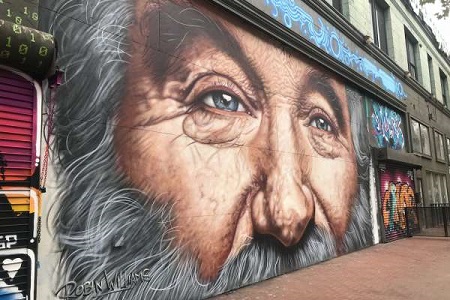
(283, 209)
(288, 237)
(291, 232)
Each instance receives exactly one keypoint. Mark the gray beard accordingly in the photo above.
(106, 231)
(128, 253)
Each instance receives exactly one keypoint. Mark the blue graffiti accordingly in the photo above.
(386, 127)
(329, 39)
(9, 292)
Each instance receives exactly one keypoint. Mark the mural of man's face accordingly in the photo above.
(237, 136)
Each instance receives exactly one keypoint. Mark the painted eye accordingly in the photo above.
(321, 123)
(223, 101)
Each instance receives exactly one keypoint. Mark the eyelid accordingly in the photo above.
(319, 112)
(218, 82)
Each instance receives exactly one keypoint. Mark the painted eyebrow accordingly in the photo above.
(181, 26)
(320, 82)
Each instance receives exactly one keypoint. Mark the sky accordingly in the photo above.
(443, 25)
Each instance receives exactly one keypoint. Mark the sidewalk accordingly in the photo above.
(412, 268)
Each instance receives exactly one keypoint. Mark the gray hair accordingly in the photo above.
(103, 227)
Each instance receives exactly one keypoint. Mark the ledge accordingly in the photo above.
(387, 154)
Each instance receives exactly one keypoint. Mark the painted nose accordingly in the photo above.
(284, 206)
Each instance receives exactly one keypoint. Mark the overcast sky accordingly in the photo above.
(443, 24)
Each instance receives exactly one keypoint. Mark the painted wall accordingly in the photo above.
(20, 12)
(397, 192)
(22, 46)
(196, 155)
(386, 127)
(296, 15)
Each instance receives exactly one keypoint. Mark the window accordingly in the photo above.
(337, 4)
(444, 88)
(419, 190)
(439, 144)
(448, 150)
(437, 188)
(431, 75)
(411, 52)
(420, 138)
(379, 13)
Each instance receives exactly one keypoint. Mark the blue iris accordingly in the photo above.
(321, 124)
(225, 101)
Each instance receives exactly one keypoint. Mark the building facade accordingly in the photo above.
(201, 146)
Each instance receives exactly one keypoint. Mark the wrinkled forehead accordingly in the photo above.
(177, 27)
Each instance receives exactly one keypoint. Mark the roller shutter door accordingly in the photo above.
(19, 194)
(18, 126)
(397, 192)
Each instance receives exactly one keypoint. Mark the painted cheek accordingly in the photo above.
(155, 162)
(334, 182)
(208, 221)
(207, 233)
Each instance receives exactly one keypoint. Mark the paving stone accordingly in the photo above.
(412, 268)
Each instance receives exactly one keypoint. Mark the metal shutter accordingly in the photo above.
(19, 197)
(18, 113)
(396, 193)
(17, 269)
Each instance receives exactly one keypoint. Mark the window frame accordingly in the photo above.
(441, 135)
(412, 55)
(431, 75)
(419, 189)
(337, 4)
(380, 8)
(444, 86)
(447, 143)
(420, 126)
(439, 180)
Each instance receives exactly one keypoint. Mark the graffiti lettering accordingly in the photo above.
(386, 127)
(7, 241)
(103, 286)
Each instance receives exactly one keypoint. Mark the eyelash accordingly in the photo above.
(226, 86)
(219, 82)
(320, 113)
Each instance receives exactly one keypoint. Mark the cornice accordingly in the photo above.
(251, 14)
(248, 12)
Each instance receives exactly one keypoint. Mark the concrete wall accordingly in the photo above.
(360, 15)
